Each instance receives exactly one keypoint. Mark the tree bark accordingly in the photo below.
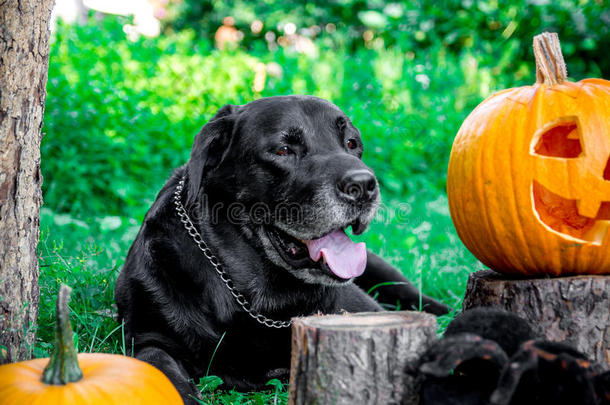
(574, 310)
(24, 61)
(357, 358)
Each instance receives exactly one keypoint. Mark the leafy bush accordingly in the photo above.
(478, 26)
(120, 115)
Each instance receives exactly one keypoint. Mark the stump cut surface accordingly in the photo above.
(357, 358)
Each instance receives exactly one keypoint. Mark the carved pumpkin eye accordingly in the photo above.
(560, 140)
(284, 151)
(352, 143)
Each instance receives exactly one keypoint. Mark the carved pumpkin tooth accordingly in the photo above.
(574, 134)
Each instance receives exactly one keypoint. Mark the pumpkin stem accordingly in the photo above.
(63, 365)
(550, 66)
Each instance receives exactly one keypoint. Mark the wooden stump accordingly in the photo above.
(357, 358)
(574, 310)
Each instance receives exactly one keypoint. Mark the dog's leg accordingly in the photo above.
(173, 370)
(378, 271)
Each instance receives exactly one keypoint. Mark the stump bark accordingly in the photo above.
(357, 358)
(574, 310)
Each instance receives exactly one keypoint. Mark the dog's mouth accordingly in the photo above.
(333, 253)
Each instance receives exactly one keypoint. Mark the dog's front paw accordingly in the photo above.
(435, 307)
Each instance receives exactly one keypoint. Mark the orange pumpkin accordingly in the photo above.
(108, 379)
(529, 174)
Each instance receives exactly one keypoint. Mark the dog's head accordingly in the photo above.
(288, 170)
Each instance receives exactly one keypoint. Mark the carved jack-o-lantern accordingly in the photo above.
(529, 174)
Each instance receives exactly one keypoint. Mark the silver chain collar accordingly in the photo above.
(224, 276)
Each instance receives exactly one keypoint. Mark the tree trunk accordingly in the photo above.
(357, 358)
(574, 310)
(24, 61)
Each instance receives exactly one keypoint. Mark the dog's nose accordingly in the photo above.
(358, 186)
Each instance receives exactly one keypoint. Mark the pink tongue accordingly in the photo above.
(344, 258)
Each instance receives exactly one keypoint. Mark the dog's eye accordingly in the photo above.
(284, 151)
(352, 143)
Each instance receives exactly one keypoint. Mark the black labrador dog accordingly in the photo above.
(250, 233)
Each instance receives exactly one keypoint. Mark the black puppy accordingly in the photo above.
(246, 235)
(463, 367)
(489, 356)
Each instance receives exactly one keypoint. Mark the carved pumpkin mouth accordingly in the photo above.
(562, 215)
(559, 148)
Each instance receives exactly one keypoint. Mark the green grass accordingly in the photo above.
(120, 115)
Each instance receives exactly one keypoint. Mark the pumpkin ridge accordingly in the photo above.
(478, 244)
(512, 192)
(488, 155)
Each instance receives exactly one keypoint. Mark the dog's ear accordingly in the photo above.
(209, 148)
(462, 369)
(497, 324)
(550, 371)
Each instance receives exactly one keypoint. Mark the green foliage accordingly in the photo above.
(278, 394)
(120, 115)
(91, 271)
(475, 25)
